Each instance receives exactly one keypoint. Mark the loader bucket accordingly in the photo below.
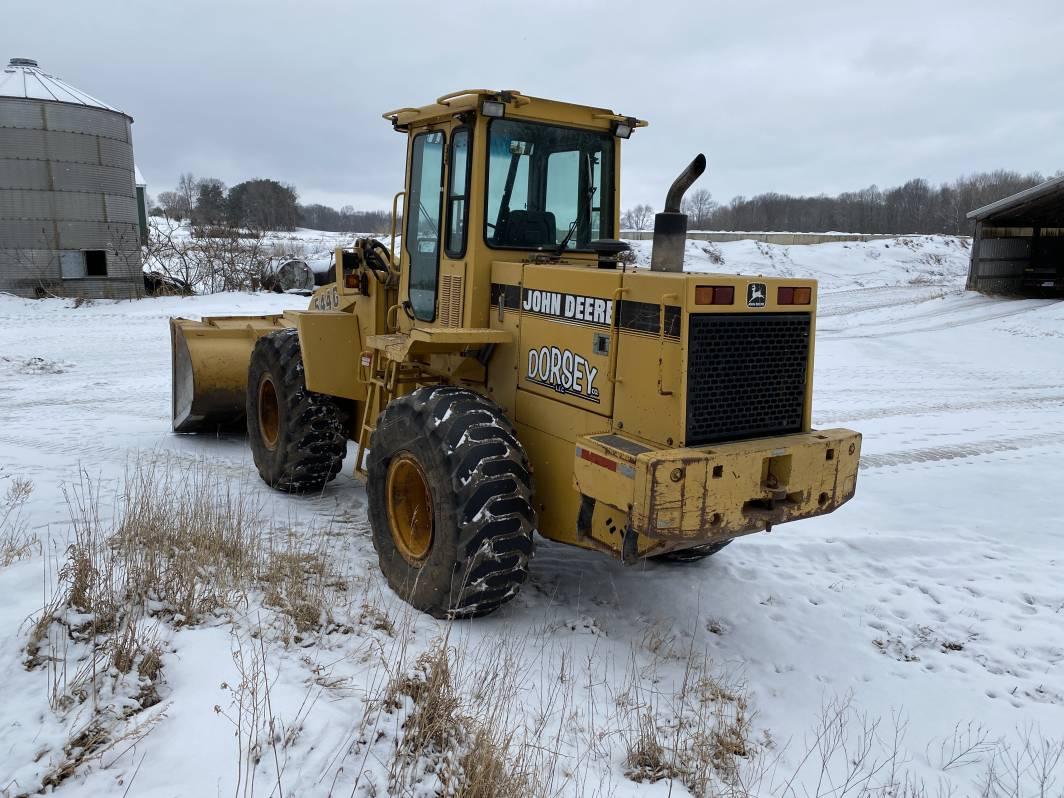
(210, 369)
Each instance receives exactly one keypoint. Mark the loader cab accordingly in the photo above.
(549, 187)
(498, 176)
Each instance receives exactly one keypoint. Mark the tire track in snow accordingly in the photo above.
(878, 298)
(944, 407)
(901, 328)
(959, 451)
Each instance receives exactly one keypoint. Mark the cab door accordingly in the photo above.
(453, 265)
(423, 234)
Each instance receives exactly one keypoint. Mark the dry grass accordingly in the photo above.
(451, 724)
(187, 544)
(16, 541)
(181, 547)
(697, 733)
(514, 715)
(300, 579)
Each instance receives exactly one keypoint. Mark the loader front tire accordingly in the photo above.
(693, 554)
(450, 502)
(298, 438)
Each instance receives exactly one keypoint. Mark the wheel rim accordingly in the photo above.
(269, 412)
(409, 508)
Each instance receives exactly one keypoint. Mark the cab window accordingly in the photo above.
(549, 187)
(458, 194)
(423, 212)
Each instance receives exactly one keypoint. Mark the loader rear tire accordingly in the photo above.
(450, 502)
(693, 554)
(298, 438)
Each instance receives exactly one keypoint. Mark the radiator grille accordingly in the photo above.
(451, 300)
(745, 375)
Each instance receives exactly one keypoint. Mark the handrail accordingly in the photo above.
(615, 336)
(395, 218)
(631, 120)
(445, 99)
(661, 344)
(397, 111)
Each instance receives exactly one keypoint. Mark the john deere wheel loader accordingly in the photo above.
(506, 372)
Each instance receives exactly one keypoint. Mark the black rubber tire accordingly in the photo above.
(481, 488)
(312, 427)
(693, 554)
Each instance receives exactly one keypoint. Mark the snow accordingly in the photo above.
(933, 599)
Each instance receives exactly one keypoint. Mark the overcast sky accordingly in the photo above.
(836, 96)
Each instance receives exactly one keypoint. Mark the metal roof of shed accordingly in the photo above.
(23, 79)
(1045, 199)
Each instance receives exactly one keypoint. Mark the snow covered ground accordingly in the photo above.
(914, 636)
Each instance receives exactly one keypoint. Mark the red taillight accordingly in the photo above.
(714, 294)
(789, 295)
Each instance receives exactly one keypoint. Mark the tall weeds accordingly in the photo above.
(16, 541)
(179, 547)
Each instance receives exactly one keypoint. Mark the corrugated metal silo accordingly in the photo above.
(68, 203)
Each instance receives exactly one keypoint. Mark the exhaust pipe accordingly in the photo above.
(670, 226)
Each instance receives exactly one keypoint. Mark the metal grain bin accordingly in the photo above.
(69, 222)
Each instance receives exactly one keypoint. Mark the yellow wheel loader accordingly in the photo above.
(508, 371)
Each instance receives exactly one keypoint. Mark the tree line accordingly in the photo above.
(260, 204)
(916, 206)
(913, 207)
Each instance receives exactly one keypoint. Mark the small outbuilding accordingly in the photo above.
(1018, 244)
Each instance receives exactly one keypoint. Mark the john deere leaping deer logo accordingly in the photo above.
(755, 295)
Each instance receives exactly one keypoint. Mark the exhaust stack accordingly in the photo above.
(670, 226)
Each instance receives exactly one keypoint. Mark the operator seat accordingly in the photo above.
(527, 229)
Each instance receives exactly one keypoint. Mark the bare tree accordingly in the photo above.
(637, 217)
(175, 206)
(228, 260)
(698, 205)
(186, 187)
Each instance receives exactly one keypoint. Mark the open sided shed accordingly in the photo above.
(1018, 245)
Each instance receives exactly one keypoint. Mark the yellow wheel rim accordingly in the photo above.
(409, 508)
(269, 412)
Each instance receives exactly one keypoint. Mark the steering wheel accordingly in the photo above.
(377, 256)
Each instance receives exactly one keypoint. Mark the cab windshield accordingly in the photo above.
(548, 186)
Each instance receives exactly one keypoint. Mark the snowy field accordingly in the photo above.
(912, 643)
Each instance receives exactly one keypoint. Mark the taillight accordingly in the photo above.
(714, 294)
(789, 295)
